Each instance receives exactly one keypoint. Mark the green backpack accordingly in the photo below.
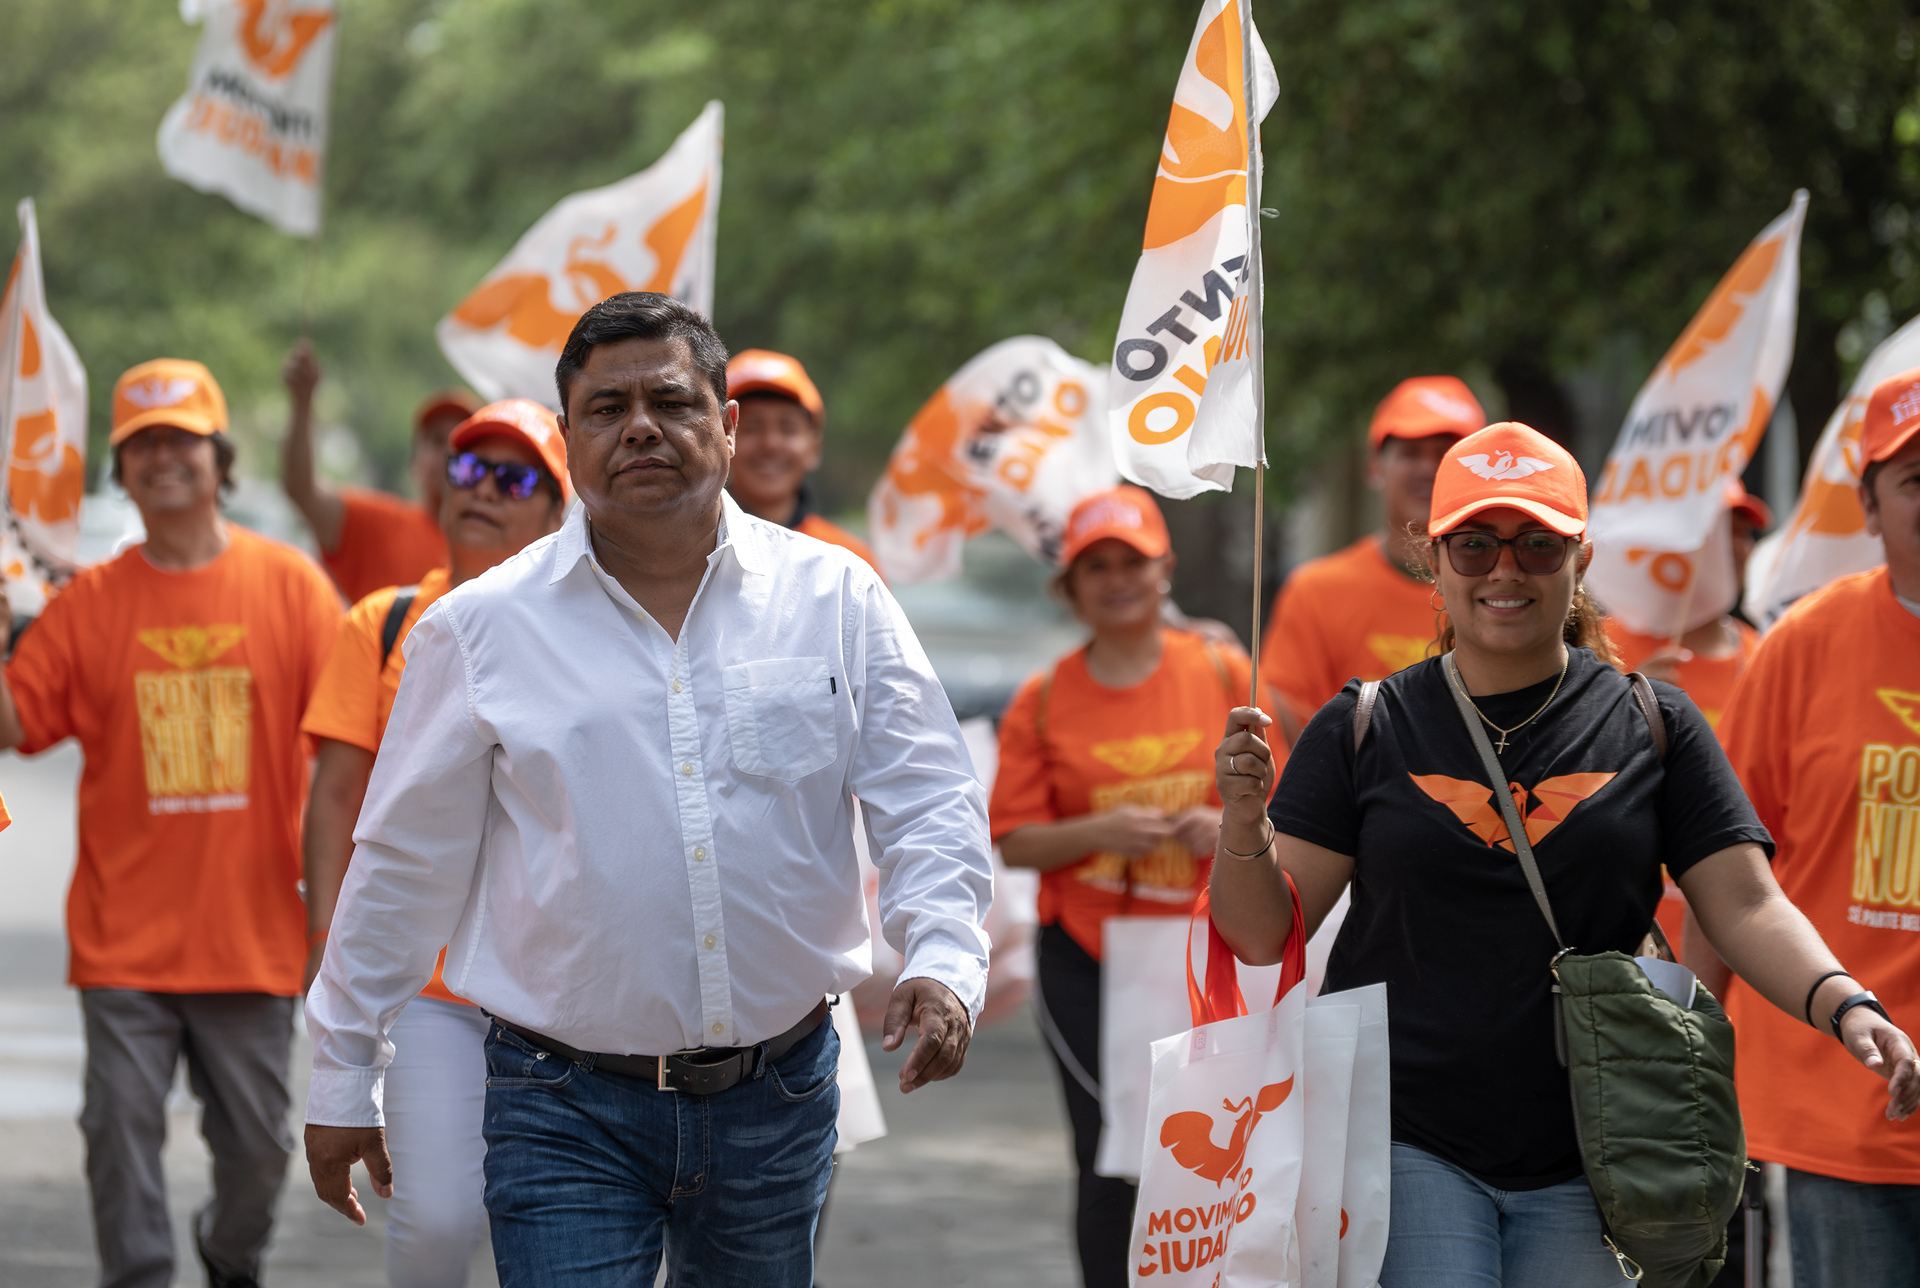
(1654, 1108)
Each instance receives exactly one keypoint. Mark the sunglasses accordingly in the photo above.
(519, 481)
(1538, 553)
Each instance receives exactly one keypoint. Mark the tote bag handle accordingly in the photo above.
(1221, 998)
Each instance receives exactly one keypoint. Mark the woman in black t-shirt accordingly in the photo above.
(1487, 1180)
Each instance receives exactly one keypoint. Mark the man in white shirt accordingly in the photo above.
(618, 783)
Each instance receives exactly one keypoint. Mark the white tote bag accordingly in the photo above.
(1332, 1032)
(1220, 1176)
(1366, 1196)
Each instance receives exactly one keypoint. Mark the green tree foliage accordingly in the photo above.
(1497, 187)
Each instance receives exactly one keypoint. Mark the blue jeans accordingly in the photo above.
(1451, 1230)
(1847, 1234)
(590, 1175)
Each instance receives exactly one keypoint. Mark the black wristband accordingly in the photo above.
(1808, 1008)
(1867, 1000)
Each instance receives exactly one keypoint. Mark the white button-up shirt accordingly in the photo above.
(637, 844)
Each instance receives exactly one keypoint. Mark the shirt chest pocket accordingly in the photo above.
(780, 716)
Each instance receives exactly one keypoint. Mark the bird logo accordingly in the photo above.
(1188, 1135)
(1472, 803)
(1505, 465)
(1904, 705)
(158, 391)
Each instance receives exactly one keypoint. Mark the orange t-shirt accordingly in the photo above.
(1348, 614)
(1708, 681)
(1824, 730)
(833, 534)
(185, 691)
(384, 541)
(356, 691)
(1098, 749)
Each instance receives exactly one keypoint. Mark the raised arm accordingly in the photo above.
(1771, 945)
(324, 510)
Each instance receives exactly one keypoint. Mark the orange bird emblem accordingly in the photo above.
(1189, 1134)
(1472, 803)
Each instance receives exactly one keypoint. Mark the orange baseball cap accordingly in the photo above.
(762, 371)
(1745, 505)
(1126, 514)
(1424, 406)
(167, 391)
(1509, 464)
(526, 420)
(444, 400)
(1893, 417)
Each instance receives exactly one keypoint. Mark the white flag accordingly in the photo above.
(43, 433)
(1182, 385)
(1013, 440)
(1826, 537)
(1691, 431)
(252, 125)
(653, 231)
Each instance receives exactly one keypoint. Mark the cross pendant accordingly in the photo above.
(1500, 746)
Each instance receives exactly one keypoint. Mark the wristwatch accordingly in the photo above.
(1867, 1000)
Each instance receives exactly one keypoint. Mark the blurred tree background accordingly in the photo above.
(1533, 195)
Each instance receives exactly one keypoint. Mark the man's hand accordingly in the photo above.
(331, 1154)
(301, 373)
(1198, 829)
(1131, 831)
(1885, 1050)
(945, 1030)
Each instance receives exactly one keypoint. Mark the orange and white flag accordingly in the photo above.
(1013, 440)
(1659, 564)
(43, 434)
(1827, 537)
(252, 125)
(1182, 389)
(653, 231)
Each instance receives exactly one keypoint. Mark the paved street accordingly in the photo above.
(972, 1186)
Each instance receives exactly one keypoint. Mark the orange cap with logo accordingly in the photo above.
(762, 371)
(526, 420)
(1126, 514)
(167, 391)
(1424, 406)
(440, 401)
(1509, 465)
(1893, 417)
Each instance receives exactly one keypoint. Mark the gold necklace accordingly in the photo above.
(1453, 673)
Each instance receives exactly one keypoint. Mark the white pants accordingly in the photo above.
(436, 1093)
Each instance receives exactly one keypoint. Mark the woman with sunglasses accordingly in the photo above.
(1487, 1182)
(506, 487)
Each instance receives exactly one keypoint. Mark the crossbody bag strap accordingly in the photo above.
(1363, 711)
(1649, 705)
(1516, 829)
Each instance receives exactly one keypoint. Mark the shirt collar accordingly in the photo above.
(739, 536)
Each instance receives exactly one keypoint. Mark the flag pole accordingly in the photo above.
(1256, 328)
(306, 287)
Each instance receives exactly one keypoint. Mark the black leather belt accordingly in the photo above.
(702, 1071)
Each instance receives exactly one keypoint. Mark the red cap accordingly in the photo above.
(1424, 406)
(1512, 465)
(442, 401)
(1126, 514)
(1745, 505)
(762, 371)
(1893, 417)
(176, 392)
(526, 420)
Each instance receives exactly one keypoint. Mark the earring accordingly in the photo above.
(1439, 607)
(1166, 587)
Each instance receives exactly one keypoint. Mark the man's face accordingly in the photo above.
(775, 447)
(168, 471)
(429, 463)
(1402, 470)
(485, 519)
(1893, 510)
(646, 433)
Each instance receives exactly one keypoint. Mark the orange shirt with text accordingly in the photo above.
(1096, 749)
(356, 691)
(1348, 614)
(184, 691)
(1709, 681)
(385, 541)
(834, 535)
(1824, 730)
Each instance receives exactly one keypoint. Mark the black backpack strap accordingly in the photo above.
(396, 618)
(1363, 711)
(1649, 705)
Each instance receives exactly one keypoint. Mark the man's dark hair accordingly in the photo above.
(642, 315)
(224, 455)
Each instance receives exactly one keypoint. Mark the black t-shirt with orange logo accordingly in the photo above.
(1441, 910)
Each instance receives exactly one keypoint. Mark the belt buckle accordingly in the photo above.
(660, 1082)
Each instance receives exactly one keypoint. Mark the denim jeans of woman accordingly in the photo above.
(592, 1176)
(1451, 1230)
